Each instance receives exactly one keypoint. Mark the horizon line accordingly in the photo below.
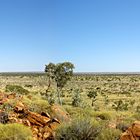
(94, 73)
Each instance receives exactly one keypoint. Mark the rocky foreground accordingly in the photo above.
(42, 125)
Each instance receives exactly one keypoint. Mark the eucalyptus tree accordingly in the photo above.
(61, 73)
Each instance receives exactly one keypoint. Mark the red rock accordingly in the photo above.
(19, 108)
(37, 119)
(59, 113)
(136, 128)
(48, 133)
(26, 122)
(4, 100)
(132, 133)
(54, 125)
(11, 96)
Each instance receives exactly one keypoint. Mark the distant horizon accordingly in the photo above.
(74, 72)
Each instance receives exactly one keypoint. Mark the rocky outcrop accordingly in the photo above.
(132, 133)
(43, 125)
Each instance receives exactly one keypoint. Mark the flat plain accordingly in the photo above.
(114, 100)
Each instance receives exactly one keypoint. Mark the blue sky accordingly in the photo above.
(95, 35)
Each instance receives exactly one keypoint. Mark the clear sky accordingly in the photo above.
(95, 35)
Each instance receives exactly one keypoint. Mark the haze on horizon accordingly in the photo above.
(96, 36)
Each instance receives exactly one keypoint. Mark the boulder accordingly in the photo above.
(11, 96)
(132, 133)
(37, 119)
(136, 128)
(43, 125)
(19, 108)
(59, 113)
(127, 136)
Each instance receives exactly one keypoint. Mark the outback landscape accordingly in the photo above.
(69, 70)
(94, 106)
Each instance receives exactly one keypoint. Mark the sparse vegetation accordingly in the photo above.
(108, 100)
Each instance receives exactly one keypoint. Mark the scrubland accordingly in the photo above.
(101, 107)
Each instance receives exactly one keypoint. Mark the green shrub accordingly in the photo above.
(109, 134)
(16, 89)
(103, 116)
(29, 86)
(92, 95)
(51, 98)
(78, 130)
(36, 104)
(15, 132)
(120, 105)
(76, 99)
(126, 93)
(138, 108)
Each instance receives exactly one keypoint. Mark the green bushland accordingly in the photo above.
(16, 89)
(15, 132)
(117, 101)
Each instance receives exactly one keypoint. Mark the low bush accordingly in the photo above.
(36, 104)
(76, 112)
(15, 132)
(76, 99)
(51, 98)
(120, 105)
(16, 89)
(103, 115)
(138, 108)
(93, 96)
(82, 129)
(109, 134)
(29, 86)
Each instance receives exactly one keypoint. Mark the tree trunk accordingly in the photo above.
(49, 85)
(59, 97)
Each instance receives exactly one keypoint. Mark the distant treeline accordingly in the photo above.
(75, 74)
(22, 73)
